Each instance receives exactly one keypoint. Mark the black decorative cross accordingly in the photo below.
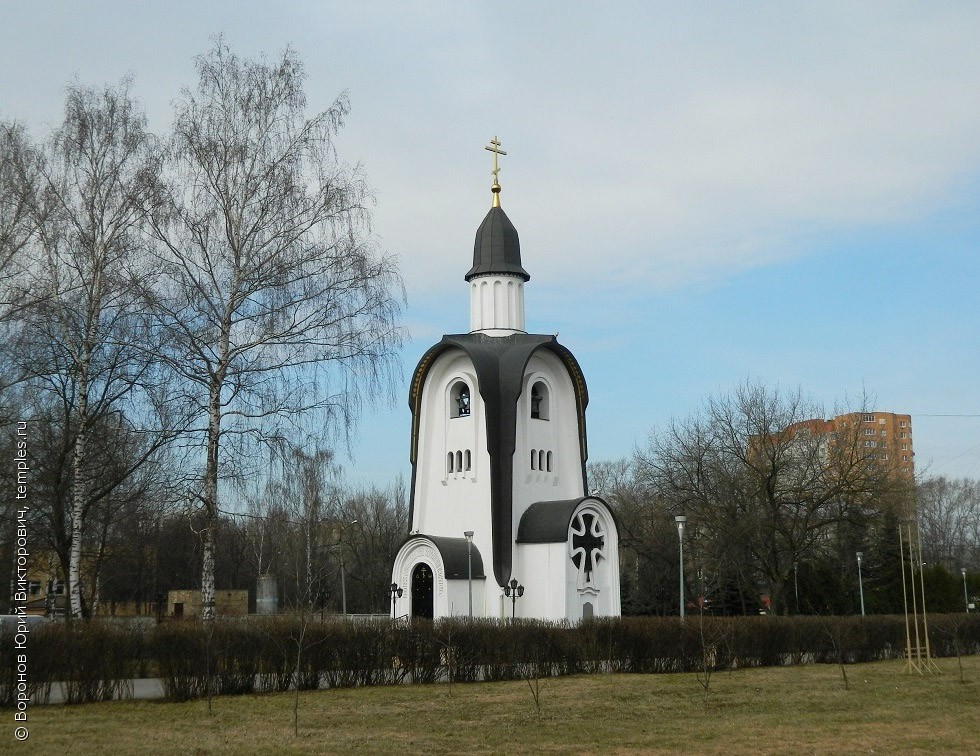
(588, 543)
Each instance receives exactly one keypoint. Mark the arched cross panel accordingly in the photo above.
(593, 546)
(587, 541)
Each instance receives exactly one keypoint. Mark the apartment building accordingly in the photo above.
(884, 437)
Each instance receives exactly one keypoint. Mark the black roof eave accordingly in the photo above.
(549, 521)
(455, 556)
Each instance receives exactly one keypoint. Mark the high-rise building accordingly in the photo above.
(883, 437)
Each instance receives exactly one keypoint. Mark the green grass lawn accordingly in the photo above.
(776, 710)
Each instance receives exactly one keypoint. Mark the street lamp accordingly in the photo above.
(469, 567)
(966, 596)
(514, 590)
(680, 520)
(396, 593)
(796, 585)
(860, 582)
(343, 582)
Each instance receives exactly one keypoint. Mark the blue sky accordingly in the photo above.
(706, 193)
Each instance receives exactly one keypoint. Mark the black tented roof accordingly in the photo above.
(497, 248)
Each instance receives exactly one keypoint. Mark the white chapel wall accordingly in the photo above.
(557, 435)
(448, 504)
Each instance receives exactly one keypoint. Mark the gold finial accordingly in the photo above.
(494, 147)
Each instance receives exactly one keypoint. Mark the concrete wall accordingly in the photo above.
(187, 603)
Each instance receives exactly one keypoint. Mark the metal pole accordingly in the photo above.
(469, 567)
(796, 586)
(682, 578)
(860, 582)
(680, 520)
(343, 583)
(966, 595)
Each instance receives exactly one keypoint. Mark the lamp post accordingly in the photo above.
(343, 582)
(796, 585)
(860, 582)
(514, 591)
(469, 567)
(966, 595)
(396, 593)
(680, 520)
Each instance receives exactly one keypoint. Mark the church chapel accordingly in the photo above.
(501, 521)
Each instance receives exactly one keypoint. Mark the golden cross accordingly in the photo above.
(494, 147)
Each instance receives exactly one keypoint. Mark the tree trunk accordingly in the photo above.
(96, 597)
(207, 576)
(210, 504)
(78, 492)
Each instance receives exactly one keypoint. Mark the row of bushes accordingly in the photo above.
(97, 660)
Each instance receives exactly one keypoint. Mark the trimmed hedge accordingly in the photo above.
(97, 661)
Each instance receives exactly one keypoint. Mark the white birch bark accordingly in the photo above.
(210, 500)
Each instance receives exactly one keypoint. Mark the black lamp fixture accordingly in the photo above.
(396, 593)
(513, 591)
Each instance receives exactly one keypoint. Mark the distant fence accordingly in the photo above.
(97, 660)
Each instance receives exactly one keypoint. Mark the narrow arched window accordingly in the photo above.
(459, 461)
(549, 461)
(469, 461)
(541, 460)
(459, 400)
(534, 459)
(449, 461)
(539, 401)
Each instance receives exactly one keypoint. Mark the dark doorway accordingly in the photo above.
(422, 591)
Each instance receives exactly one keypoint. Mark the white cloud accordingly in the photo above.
(675, 142)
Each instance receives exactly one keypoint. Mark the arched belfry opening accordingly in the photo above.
(459, 400)
(539, 401)
(422, 591)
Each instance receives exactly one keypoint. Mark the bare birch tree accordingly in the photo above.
(18, 175)
(84, 339)
(279, 312)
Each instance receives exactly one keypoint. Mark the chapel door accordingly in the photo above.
(422, 590)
